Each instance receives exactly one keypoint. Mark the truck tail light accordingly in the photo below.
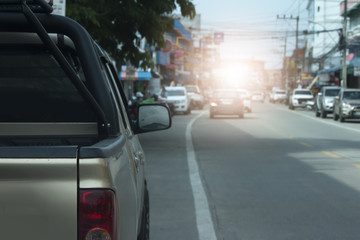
(97, 215)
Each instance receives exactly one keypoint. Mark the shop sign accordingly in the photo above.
(179, 56)
(324, 77)
(349, 57)
(306, 77)
(356, 71)
(123, 75)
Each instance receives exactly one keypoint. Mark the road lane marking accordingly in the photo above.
(330, 154)
(305, 144)
(357, 165)
(204, 220)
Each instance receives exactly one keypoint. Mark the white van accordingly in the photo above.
(179, 97)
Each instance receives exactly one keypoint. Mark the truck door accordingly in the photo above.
(133, 144)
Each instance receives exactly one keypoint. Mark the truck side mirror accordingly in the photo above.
(153, 117)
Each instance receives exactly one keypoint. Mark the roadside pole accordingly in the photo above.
(296, 43)
(344, 68)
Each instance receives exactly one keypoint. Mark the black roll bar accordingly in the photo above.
(42, 33)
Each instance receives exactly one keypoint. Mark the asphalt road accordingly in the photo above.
(276, 174)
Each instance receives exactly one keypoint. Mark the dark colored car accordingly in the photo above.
(227, 102)
(347, 104)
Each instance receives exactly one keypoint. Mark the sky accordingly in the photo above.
(252, 29)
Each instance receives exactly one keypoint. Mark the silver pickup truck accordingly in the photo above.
(71, 164)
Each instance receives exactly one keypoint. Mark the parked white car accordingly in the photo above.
(300, 98)
(197, 99)
(179, 97)
(278, 95)
(258, 97)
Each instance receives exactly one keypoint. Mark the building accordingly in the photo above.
(174, 62)
(333, 74)
(353, 43)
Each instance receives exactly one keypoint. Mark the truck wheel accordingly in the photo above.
(145, 221)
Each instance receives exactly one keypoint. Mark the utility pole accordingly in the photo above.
(344, 32)
(285, 66)
(296, 41)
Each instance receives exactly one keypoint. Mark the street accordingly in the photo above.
(276, 174)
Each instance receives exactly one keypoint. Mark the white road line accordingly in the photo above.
(204, 221)
(319, 120)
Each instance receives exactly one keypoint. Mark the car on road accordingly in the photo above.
(247, 99)
(324, 101)
(227, 102)
(196, 97)
(278, 96)
(300, 98)
(71, 163)
(347, 105)
(178, 96)
(257, 97)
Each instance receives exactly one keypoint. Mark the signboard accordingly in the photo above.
(59, 7)
(306, 77)
(356, 71)
(179, 56)
(350, 56)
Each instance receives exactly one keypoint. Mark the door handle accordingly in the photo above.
(140, 156)
(139, 159)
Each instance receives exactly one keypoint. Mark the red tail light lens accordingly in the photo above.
(96, 215)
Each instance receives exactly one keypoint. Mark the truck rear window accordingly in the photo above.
(34, 88)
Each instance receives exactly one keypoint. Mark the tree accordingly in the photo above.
(119, 25)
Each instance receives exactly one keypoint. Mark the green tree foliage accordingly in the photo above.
(119, 25)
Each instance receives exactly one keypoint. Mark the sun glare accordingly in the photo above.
(232, 75)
